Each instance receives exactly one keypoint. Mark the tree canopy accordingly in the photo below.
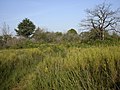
(25, 28)
(101, 18)
(72, 31)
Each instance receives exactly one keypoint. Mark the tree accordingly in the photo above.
(92, 35)
(6, 35)
(71, 36)
(72, 31)
(101, 18)
(25, 28)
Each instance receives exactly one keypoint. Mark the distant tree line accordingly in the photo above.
(101, 24)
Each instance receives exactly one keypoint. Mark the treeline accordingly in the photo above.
(41, 36)
(102, 25)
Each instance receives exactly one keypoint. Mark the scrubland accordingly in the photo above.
(60, 67)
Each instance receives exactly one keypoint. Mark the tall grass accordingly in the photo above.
(52, 67)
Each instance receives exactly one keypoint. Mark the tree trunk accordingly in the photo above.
(103, 35)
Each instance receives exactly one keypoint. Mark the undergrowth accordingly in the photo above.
(59, 67)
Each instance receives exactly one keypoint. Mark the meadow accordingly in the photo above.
(60, 67)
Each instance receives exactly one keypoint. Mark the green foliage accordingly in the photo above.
(72, 31)
(25, 28)
(58, 67)
(71, 36)
(94, 35)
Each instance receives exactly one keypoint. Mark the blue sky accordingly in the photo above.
(53, 15)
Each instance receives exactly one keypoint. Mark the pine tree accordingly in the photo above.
(25, 28)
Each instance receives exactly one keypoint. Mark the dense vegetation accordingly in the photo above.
(37, 59)
(60, 67)
(41, 36)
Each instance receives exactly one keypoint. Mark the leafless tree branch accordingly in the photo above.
(102, 17)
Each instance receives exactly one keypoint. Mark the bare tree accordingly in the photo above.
(102, 18)
(5, 31)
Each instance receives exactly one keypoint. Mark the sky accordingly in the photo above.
(52, 15)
